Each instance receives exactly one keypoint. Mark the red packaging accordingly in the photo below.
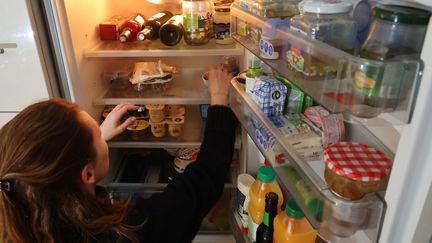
(109, 30)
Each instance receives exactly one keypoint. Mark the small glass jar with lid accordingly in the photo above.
(328, 21)
(395, 31)
(354, 169)
(198, 21)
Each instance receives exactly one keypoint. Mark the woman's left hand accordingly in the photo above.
(112, 126)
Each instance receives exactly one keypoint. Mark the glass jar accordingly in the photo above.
(198, 21)
(327, 21)
(353, 169)
(395, 31)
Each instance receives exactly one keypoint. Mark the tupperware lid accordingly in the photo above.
(399, 14)
(358, 162)
(293, 210)
(266, 174)
(325, 6)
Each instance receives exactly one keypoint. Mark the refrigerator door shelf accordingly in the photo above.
(186, 87)
(361, 89)
(333, 217)
(157, 49)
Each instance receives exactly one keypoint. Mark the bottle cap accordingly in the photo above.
(293, 210)
(125, 35)
(266, 174)
(325, 6)
(399, 14)
(140, 36)
(244, 182)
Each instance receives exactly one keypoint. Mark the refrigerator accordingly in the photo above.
(74, 64)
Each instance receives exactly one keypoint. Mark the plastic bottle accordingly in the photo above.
(244, 182)
(266, 182)
(254, 70)
(265, 230)
(290, 226)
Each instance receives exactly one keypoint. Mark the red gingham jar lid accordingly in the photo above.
(356, 161)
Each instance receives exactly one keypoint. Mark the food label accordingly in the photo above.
(241, 202)
(197, 21)
(268, 50)
(191, 22)
(296, 59)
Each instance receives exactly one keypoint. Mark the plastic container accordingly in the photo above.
(290, 226)
(138, 130)
(327, 21)
(396, 31)
(266, 182)
(175, 125)
(156, 112)
(353, 169)
(184, 157)
(198, 21)
(244, 182)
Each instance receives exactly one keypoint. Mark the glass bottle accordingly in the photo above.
(130, 28)
(264, 232)
(198, 21)
(171, 32)
(152, 26)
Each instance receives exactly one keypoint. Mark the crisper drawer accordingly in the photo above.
(143, 176)
(333, 217)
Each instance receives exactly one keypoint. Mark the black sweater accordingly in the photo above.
(176, 214)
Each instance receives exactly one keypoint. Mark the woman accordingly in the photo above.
(52, 155)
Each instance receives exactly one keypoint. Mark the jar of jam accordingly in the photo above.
(353, 169)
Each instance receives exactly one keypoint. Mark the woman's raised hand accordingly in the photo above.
(218, 84)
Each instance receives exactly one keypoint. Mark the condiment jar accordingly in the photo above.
(353, 169)
(198, 21)
(395, 31)
(328, 21)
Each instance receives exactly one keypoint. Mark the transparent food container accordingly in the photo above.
(198, 21)
(138, 130)
(397, 33)
(326, 21)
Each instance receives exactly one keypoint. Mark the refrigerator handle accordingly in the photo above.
(4, 46)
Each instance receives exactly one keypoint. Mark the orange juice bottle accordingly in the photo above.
(266, 182)
(290, 226)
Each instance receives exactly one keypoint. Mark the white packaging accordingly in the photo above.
(244, 182)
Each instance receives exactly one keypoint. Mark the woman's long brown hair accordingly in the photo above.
(42, 153)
